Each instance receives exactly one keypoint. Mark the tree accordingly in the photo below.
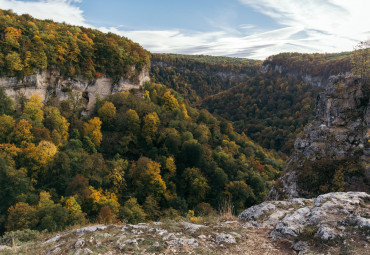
(75, 215)
(150, 125)
(146, 177)
(151, 208)
(101, 199)
(361, 59)
(7, 124)
(132, 212)
(14, 63)
(33, 109)
(196, 185)
(107, 113)
(6, 103)
(22, 216)
(240, 194)
(59, 125)
(51, 216)
(169, 101)
(21, 134)
(93, 130)
(132, 121)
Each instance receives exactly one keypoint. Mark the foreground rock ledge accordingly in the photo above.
(330, 217)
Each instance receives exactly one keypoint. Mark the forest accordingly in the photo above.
(142, 155)
(270, 108)
(29, 45)
(197, 77)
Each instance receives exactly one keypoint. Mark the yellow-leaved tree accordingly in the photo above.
(169, 101)
(21, 134)
(7, 124)
(150, 125)
(107, 113)
(102, 199)
(146, 177)
(33, 109)
(93, 130)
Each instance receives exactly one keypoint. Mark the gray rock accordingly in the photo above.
(90, 229)
(54, 239)
(225, 238)
(301, 247)
(326, 233)
(80, 243)
(53, 251)
(329, 213)
(340, 131)
(192, 228)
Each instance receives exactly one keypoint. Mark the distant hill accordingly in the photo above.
(197, 77)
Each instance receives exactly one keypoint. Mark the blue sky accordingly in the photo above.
(239, 28)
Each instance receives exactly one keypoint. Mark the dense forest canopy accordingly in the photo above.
(200, 76)
(140, 156)
(271, 108)
(29, 45)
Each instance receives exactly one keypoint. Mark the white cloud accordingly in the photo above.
(307, 26)
(57, 10)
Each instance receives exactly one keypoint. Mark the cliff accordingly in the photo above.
(333, 153)
(315, 69)
(51, 82)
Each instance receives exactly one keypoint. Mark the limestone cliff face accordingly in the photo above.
(340, 132)
(50, 82)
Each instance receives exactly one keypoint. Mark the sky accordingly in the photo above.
(237, 28)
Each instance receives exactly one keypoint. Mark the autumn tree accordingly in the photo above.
(150, 125)
(132, 121)
(107, 113)
(33, 109)
(14, 63)
(58, 125)
(169, 101)
(7, 124)
(21, 134)
(146, 177)
(101, 199)
(93, 130)
(75, 215)
(21, 216)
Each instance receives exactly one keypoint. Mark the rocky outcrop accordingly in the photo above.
(339, 133)
(328, 217)
(50, 82)
(314, 80)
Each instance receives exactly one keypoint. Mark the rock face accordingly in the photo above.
(327, 217)
(50, 82)
(314, 80)
(340, 132)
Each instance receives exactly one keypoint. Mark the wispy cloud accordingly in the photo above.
(57, 10)
(305, 26)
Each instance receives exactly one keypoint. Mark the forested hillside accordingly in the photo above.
(29, 45)
(137, 158)
(320, 65)
(271, 101)
(197, 77)
(270, 109)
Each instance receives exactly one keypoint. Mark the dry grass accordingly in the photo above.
(226, 210)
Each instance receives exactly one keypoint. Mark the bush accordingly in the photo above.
(19, 236)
